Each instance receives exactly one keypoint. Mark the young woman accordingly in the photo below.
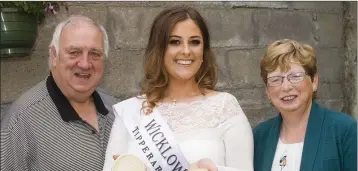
(209, 130)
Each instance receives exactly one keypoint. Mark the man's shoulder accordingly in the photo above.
(106, 97)
(28, 99)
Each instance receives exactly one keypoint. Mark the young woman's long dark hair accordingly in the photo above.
(155, 81)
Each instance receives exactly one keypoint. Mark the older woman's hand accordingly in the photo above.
(203, 165)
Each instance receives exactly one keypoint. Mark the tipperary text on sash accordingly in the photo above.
(161, 143)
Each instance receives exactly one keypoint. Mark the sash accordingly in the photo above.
(152, 136)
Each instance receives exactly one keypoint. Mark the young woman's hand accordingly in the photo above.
(203, 165)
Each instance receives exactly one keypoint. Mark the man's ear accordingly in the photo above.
(53, 56)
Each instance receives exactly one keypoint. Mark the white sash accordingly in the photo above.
(152, 136)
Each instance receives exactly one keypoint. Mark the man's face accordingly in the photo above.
(79, 66)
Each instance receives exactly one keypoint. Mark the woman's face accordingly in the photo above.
(184, 53)
(291, 95)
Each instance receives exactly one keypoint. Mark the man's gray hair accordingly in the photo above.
(55, 42)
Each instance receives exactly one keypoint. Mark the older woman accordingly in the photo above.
(179, 114)
(304, 136)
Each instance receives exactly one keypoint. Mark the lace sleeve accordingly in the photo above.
(231, 108)
(237, 136)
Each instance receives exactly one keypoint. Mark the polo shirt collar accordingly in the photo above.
(64, 107)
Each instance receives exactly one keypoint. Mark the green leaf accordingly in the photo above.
(26, 7)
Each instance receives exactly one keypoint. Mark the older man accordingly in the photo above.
(64, 122)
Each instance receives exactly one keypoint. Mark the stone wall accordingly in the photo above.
(240, 32)
(350, 64)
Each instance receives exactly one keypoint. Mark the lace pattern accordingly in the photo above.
(209, 112)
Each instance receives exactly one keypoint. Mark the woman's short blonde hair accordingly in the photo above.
(282, 53)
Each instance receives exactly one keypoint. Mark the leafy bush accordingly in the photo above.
(37, 8)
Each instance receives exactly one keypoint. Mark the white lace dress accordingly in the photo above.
(214, 127)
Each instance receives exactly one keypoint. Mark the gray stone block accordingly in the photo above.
(229, 28)
(129, 27)
(329, 91)
(85, 3)
(330, 30)
(257, 4)
(332, 7)
(251, 97)
(271, 25)
(46, 29)
(333, 104)
(20, 74)
(350, 79)
(195, 4)
(3, 109)
(354, 9)
(245, 67)
(124, 70)
(224, 79)
(45, 32)
(166, 4)
(98, 14)
(330, 64)
(259, 115)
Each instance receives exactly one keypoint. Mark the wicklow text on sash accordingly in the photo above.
(153, 137)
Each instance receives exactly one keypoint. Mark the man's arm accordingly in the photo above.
(14, 146)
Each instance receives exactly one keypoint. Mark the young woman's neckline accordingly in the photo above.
(196, 99)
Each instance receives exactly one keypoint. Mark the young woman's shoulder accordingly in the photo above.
(227, 97)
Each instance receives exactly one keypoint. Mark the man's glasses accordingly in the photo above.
(292, 78)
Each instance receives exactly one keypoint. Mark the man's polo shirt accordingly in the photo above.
(42, 131)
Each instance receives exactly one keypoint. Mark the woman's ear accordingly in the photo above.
(315, 82)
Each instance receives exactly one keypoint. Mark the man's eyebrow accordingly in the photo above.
(79, 48)
(97, 49)
(72, 47)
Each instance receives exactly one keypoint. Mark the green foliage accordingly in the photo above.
(31, 7)
(36, 8)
